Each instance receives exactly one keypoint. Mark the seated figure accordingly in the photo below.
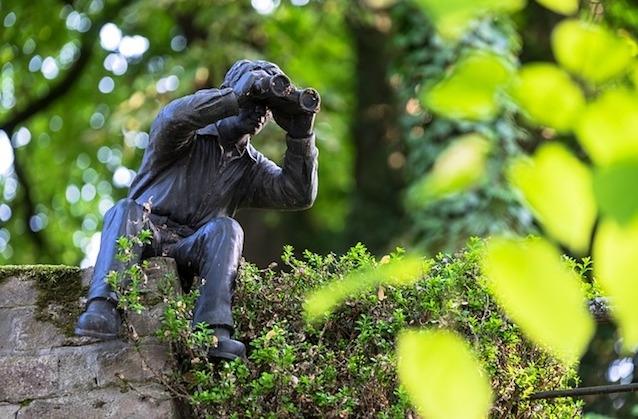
(198, 169)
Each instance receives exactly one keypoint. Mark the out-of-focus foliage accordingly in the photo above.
(471, 88)
(437, 369)
(458, 168)
(548, 96)
(565, 186)
(566, 7)
(607, 126)
(590, 51)
(614, 253)
(396, 272)
(558, 189)
(490, 206)
(541, 294)
(453, 18)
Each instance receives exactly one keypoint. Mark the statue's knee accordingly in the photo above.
(224, 226)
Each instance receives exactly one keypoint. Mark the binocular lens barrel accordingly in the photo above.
(309, 100)
(278, 85)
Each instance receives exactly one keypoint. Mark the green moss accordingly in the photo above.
(59, 292)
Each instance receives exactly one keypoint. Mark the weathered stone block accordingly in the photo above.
(15, 292)
(8, 317)
(28, 377)
(45, 372)
(32, 335)
(8, 410)
(149, 321)
(147, 402)
(127, 364)
(77, 369)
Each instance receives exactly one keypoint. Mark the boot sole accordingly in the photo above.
(94, 334)
(226, 356)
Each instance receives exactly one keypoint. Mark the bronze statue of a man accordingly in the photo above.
(198, 169)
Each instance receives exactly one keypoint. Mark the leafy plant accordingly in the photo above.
(127, 283)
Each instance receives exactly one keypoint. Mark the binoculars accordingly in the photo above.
(279, 94)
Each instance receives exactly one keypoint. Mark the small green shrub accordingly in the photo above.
(345, 366)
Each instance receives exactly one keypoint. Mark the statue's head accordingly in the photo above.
(241, 67)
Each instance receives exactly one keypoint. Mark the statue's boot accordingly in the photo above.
(100, 320)
(227, 348)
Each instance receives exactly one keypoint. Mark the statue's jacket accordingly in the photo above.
(188, 177)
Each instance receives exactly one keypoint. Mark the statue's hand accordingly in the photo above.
(244, 87)
(250, 120)
(298, 124)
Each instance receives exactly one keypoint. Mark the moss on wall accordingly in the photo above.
(59, 292)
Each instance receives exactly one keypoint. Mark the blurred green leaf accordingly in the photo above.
(607, 127)
(614, 187)
(441, 375)
(540, 293)
(590, 51)
(565, 7)
(558, 189)
(396, 272)
(458, 168)
(548, 96)
(453, 17)
(615, 250)
(471, 89)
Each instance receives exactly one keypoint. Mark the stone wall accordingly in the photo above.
(45, 371)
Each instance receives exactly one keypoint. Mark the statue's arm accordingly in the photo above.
(292, 186)
(174, 128)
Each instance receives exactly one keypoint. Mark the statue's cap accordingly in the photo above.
(242, 66)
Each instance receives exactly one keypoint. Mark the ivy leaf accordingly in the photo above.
(564, 7)
(471, 89)
(548, 96)
(458, 168)
(453, 17)
(558, 188)
(607, 127)
(615, 188)
(396, 272)
(590, 51)
(540, 294)
(441, 375)
(614, 253)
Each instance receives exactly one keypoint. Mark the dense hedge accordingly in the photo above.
(345, 366)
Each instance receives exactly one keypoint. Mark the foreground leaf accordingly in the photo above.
(615, 250)
(458, 168)
(615, 189)
(397, 272)
(590, 51)
(548, 96)
(558, 189)
(564, 7)
(453, 17)
(471, 89)
(541, 294)
(441, 375)
(607, 128)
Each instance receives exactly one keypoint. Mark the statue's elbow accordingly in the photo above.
(308, 199)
